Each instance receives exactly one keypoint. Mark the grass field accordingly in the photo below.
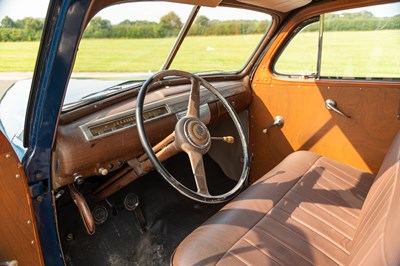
(344, 52)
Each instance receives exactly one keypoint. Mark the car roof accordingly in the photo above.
(277, 7)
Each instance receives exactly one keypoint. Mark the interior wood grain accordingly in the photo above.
(361, 141)
(75, 157)
(19, 238)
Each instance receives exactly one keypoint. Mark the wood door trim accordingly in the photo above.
(19, 236)
(300, 101)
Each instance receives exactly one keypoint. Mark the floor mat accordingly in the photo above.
(170, 218)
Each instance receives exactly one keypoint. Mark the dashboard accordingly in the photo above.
(122, 121)
(100, 138)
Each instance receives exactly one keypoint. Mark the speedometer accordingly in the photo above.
(116, 123)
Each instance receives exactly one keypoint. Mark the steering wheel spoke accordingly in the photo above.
(192, 136)
(196, 161)
(162, 155)
(194, 100)
(159, 146)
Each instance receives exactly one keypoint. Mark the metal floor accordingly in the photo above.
(118, 241)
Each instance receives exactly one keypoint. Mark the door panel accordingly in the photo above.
(19, 238)
(360, 141)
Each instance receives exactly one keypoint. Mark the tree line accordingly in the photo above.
(27, 29)
(358, 21)
(30, 29)
(169, 26)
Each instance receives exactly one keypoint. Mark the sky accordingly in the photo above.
(151, 11)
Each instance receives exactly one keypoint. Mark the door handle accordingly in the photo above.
(331, 105)
(278, 121)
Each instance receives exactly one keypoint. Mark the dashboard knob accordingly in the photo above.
(103, 171)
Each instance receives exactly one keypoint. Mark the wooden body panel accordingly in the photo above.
(19, 238)
(361, 141)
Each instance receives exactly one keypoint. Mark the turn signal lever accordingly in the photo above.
(227, 139)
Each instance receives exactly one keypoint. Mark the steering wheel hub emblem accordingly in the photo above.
(199, 131)
(197, 134)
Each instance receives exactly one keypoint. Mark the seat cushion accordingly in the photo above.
(305, 210)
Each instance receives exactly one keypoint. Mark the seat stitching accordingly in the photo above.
(337, 185)
(281, 242)
(321, 207)
(329, 200)
(313, 230)
(300, 178)
(375, 210)
(320, 219)
(391, 201)
(274, 258)
(379, 193)
(329, 189)
(301, 237)
(337, 177)
(329, 162)
(236, 257)
(304, 239)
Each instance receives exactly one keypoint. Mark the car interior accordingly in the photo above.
(251, 167)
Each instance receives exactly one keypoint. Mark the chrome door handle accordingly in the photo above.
(331, 105)
(278, 121)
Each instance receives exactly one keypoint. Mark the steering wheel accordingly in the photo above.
(192, 137)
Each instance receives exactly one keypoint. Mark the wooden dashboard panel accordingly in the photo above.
(76, 156)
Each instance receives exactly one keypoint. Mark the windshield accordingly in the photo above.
(132, 41)
(129, 41)
(221, 39)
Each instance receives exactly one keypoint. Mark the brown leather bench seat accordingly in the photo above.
(308, 210)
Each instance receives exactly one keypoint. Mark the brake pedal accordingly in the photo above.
(100, 214)
(131, 203)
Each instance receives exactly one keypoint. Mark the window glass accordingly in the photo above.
(130, 40)
(20, 33)
(300, 55)
(357, 43)
(362, 43)
(221, 39)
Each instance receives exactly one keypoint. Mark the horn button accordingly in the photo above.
(195, 133)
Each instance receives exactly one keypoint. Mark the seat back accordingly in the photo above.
(377, 238)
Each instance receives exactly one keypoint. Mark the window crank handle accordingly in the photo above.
(278, 121)
(331, 105)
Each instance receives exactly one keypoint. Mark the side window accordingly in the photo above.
(362, 43)
(299, 58)
(357, 43)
